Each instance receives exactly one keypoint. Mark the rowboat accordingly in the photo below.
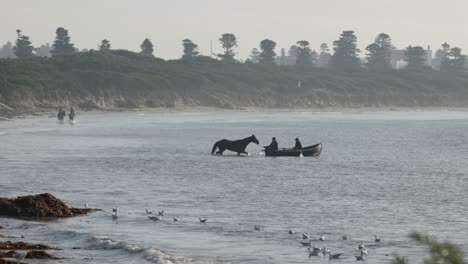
(309, 151)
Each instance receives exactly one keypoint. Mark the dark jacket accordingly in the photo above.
(273, 145)
(298, 145)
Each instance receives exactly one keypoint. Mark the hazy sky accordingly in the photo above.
(126, 23)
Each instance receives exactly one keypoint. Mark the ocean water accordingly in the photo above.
(380, 173)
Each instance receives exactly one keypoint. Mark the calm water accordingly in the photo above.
(379, 173)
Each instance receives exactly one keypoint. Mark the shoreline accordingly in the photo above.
(25, 113)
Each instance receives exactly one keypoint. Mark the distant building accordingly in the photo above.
(398, 58)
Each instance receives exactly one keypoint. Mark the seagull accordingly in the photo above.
(334, 256)
(176, 219)
(161, 213)
(314, 252)
(360, 258)
(86, 205)
(377, 239)
(325, 251)
(306, 244)
(202, 220)
(154, 218)
(115, 213)
(291, 232)
(345, 237)
(364, 252)
(20, 255)
(317, 248)
(306, 235)
(361, 246)
(257, 227)
(322, 238)
(148, 211)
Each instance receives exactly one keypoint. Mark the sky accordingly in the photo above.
(127, 22)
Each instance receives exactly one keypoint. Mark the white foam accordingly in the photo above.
(151, 254)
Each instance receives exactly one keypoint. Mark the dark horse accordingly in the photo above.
(236, 145)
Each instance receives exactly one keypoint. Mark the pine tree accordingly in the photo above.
(105, 45)
(304, 57)
(267, 55)
(380, 53)
(147, 47)
(254, 56)
(23, 47)
(416, 57)
(62, 42)
(190, 49)
(228, 42)
(345, 51)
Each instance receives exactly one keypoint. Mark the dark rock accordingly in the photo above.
(40, 254)
(32, 254)
(41, 205)
(22, 245)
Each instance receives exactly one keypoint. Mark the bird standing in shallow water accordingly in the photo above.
(202, 220)
(306, 235)
(346, 237)
(176, 219)
(291, 232)
(334, 256)
(377, 239)
(322, 238)
(115, 213)
(154, 218)
(20, 256)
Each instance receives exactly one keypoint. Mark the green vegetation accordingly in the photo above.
(120, 78)
(147, 47)
(440, 253)
(62, 42)
(23, 47)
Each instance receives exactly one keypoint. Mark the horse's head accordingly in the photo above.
(254, 139)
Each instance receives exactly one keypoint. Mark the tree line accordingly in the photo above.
(345, 54)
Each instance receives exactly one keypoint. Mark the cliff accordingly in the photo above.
(123, 79)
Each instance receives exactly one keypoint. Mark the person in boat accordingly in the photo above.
(273, 145)
(298, 145)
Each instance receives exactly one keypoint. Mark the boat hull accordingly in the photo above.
(309, 151)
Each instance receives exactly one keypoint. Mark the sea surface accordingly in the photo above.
(380, 173)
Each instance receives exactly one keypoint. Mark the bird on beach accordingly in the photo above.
(115, 213)
(176, 219)
(292, 232)
(377, 239)
(154, 217)
(325, 251)
(306, 235)
(322, 238)
(257, 227)
(360, 258)
(161, 213)
(148, 211)
(361, 246)
(334, 256)
(314, 251)
(20, 256)
(345, 237)
(202, 220)
(86, 205)
(306, 244)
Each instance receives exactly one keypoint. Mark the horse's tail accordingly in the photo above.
(214, 147)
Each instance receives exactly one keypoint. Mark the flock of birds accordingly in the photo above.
(313, 250)
(152, 215)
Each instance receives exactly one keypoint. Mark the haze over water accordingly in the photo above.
(380, 173)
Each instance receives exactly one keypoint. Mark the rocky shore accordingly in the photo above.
(33, 207)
